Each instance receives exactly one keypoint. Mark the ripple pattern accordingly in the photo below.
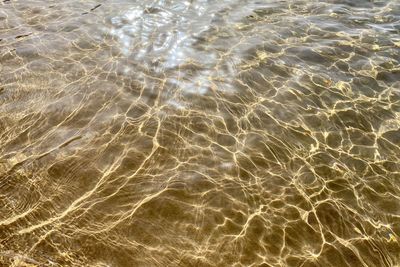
(200, 133)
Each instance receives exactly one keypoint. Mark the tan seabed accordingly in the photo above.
(199, 133)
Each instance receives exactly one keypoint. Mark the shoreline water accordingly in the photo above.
(199, 133)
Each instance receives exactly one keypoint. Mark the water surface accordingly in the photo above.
(199, 133)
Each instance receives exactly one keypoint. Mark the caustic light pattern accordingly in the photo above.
(199, 133)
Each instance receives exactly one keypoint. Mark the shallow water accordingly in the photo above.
(199, 133)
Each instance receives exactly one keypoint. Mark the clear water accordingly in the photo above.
(199, 133)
